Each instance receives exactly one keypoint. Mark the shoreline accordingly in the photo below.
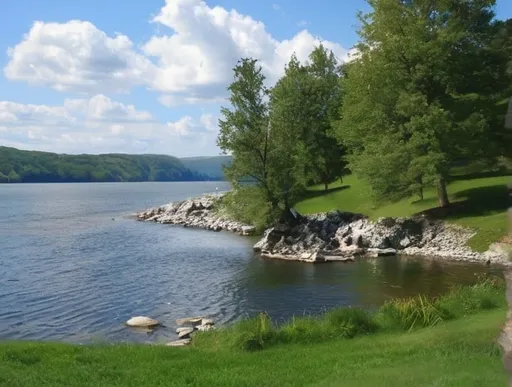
(334, 236)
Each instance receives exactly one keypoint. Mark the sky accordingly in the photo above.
(102, 76)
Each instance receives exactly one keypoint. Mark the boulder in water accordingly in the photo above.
(142, 322)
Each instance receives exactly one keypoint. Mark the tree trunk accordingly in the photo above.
(326, 186)
(341, 179)
(420, 193)
(442, 194)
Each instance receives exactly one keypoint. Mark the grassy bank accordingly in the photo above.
(478, 203)
(459, 350)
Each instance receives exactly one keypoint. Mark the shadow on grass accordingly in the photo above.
(480, 174)
(313, 194)
(473, 202)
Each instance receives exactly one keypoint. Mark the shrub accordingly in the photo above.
(350, 322)
(410, 313)
(247, 204)
(487, 293)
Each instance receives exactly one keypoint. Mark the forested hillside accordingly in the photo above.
(19, 166)
(209, 166)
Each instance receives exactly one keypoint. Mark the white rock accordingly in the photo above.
(207, 321)
(142, 322)
(179, 343)
(204, 328)
(185, 333)
(189, 321)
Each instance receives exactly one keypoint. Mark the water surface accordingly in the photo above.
(74, 267)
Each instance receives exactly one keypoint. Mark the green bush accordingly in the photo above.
(410, 313)
(351, 322)
(461, 301)
(248, 204)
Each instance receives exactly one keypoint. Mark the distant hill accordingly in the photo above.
(210, 166)
(19, 166)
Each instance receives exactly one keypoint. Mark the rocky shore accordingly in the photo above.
(341, 236)
(333, 236)
(197, 212)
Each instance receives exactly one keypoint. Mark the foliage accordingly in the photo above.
(324, 101)
(18, 166)
(422, 95)
(397, 314)
(248, 204)
(290, 119)
(244, 129)
(407, 314)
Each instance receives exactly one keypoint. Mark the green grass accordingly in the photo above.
(343, 347)
(477, 203)
(459, 353)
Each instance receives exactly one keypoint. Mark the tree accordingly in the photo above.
(244, 129)
(291, 119)
(422, 93)
(325, 99)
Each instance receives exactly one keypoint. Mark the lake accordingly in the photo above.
(74, 267)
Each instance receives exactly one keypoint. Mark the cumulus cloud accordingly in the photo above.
(99, 124)
(77, 56)
(190, 63)
(187, 126)
(206, 42)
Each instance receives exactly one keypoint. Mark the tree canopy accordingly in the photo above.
(423, 94)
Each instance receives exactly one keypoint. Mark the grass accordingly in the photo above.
(477, 203)
(343, 347)
(459, 353)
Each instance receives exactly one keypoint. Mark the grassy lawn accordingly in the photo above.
(458, 353)
(478, 203)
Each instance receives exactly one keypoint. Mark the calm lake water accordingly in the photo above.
(69, 272)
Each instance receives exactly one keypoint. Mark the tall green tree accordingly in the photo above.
(291, 118)
(325, 97)
(244, 128)
(422, 94)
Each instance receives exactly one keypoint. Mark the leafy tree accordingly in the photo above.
(291, 120)
(244, 129)
(422, 94)
(325, 99)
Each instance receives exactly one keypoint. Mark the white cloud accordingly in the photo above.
(191, 63)
(303, 23)
(206, 43)
(99, 124)
(177, 100)
(187, 126)
(276, 7)
(76, 56)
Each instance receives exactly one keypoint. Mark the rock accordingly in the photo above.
(192, 321)
(381, 252)
(179, 343)
(207, 321)
(205, 328)
(247, 230)
(181, 329)
(142, 322)
(196, 212)
(184, 333)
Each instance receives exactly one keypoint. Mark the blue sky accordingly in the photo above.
(147, 76)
